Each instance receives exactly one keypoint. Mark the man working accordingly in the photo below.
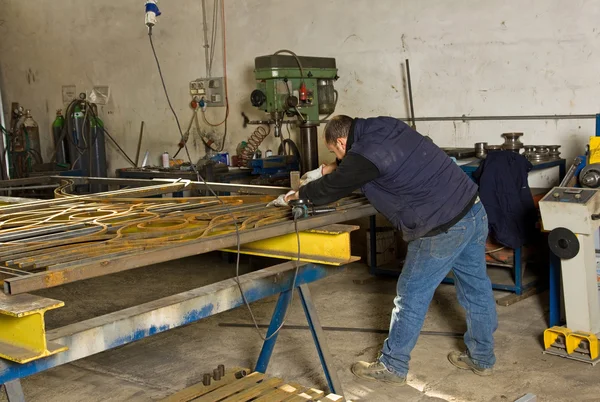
(426, 196)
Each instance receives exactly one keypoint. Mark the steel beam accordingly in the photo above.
(329, 245)
(122, 327)
(107, 266)
(23, 335)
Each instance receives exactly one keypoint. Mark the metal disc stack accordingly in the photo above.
(541, 153)
(553, 152)
(512, 142)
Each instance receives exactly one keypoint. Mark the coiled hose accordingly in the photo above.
(254, 141)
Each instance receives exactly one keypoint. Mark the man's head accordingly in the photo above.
(336, 134)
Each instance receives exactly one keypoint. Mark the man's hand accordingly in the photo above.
(282, 200)
(311, 176)
(327, 169)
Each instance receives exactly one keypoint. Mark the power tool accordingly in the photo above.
(303, 209)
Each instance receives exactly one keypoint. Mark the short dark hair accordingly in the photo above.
(338, 127)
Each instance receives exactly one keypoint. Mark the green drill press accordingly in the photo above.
(296, 87)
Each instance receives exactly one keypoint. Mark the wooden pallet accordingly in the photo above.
(255, 387)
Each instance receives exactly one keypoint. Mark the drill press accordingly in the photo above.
(297, 87)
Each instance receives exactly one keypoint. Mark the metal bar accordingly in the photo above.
(373, 242)
(507, 117)
(49, 229)
(329, 245)
(518, 271)
(23, 335)
(554, 290)
(165, 187)
(344, 329)
(64, 235)
(14, 391)
(27, 181)
(107, 266)
(276, 321)
(139, 146)
(41, 186)
(410, 96)
(122, 327)
(197, 185)
(335, 386)
(4, 169)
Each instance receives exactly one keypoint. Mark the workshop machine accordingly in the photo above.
(297, 87)
(572, 215)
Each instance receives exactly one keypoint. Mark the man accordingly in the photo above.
(435, 205)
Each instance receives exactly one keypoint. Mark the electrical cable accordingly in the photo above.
(295, 57)
(205, 30)
(214, 194)
(224, 84)
(213, 36)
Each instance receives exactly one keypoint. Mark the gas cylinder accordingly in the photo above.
(32, 135)
(76, 142)
(62, 148)
(97, 153)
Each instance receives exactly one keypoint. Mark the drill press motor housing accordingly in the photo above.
(300, 87)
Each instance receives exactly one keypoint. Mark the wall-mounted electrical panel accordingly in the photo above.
(209, 89)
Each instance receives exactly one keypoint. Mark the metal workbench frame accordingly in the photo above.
(122, 327)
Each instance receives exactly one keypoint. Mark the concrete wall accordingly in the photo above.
(467, 57)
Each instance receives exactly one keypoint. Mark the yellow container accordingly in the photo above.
(594, 150)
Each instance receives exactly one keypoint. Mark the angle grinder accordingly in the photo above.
(304, 208)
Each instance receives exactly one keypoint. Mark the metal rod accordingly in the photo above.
(277, 319)
(570, 173)
(507, 117)
(196, 185)
(28, 233)
(29, 187)
(139, 146)
(410, 96)
(343, 329)
(318, 334)
(465, 118)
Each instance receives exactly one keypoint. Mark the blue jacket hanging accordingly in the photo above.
(506, 196)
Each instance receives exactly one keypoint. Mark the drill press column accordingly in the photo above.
(309, 148)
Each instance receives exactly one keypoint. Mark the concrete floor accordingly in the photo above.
(162, 364)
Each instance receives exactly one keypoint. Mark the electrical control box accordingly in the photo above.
(570, 208)
(212, 90)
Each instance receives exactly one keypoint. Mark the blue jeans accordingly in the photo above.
(428, 261)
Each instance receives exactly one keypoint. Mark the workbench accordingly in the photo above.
(46, 253)
(519, 282)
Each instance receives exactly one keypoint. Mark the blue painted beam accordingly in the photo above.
(122, 327)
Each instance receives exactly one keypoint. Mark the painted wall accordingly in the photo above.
(467, 57)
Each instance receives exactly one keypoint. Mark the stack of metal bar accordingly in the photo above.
(51, 242)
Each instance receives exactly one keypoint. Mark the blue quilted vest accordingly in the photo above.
(419, 187)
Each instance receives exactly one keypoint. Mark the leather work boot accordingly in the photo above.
(463, 361)
(376, 372)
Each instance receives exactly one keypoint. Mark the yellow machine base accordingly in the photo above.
(575, 345)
